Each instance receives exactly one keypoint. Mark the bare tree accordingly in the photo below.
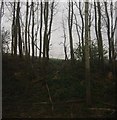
(41, 23)
(82, 28)
(32, 8)
(70, 24)
(1, 8)
(100, 42)
(46, 4)
(19, 29)
(50, 27)
(26, 25)
(87, 55)
(13, 30)
(29, 22)
(37, 29)
(64, 43)
(108, 30)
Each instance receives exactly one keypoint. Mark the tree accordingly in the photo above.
(29, 22)
(15, 18)
(108, 31)
(19, 29)
(82, 28)
(37, 29)
(100, 43)
(41, 25)
(115, 31)
(50, 27)
(13, 30)
(70, 24)
(64, 35)
(26, 25)
(32, 8)
(46, 29)
(87, 55)
(1, 14)
(98, 32)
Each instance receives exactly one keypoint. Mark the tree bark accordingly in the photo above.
(87, 55)
(64, 43)
(32, 7)
(13, 30)
(82, 34)
(108, 32)
(26, 25)
(70, 24)
(29, 33)
(100, 43)
(41, 24)
(45, 41)
(19, 29)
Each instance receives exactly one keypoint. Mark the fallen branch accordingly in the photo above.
(110, 105)
(50, 98)
(102, 109)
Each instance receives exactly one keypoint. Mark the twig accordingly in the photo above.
(50, 98)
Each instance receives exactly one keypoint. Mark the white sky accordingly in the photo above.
(56, 50)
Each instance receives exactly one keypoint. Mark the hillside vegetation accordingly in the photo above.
(54, 89)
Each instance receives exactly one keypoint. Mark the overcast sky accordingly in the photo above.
(56, 48)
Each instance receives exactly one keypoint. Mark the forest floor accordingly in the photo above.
(54, 89)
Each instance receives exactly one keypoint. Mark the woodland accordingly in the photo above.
(80, 85)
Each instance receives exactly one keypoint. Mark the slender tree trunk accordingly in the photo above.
(76, 23)
(70, 23)
(13, 30)
(64, 34)
(108, 32)
(45, 41)
(96, 29)
(112, 29)
(16, 31)
(1, 7)
(82, 34)
(112, 41)
(41, 23)
(32, 7)
(19, 29)
(100, 43)
(29, 32)
(87, 62)
(37, 30)
(26, 25)
(50, 27)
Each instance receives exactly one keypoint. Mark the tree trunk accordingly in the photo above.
(37, 30)
(13, 30)
(41, 23)
(26, 25)
(50, 27)
(45, 41)
(100, 43)
(82, 34)
(87, 55)
(108, 32)
(70, 23)
(32, 7)
(29, 33)
(1, 7)
(64, 35)
(16, 31)
(19, 29)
